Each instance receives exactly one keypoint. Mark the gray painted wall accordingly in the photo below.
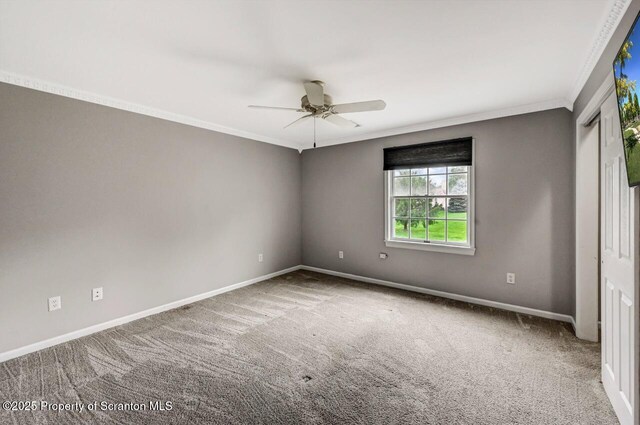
(524, 213)
(151, 210)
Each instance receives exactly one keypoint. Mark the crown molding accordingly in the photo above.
(53, 88)
(607, 28)
(448, 122)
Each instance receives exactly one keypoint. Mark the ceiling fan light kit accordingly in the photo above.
(318, 104)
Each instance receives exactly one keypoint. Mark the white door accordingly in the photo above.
(619, 271)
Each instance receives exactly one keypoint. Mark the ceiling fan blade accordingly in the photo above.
(339, 121)
(369, 105)
(315, 92)
(298, 120)
(276, 107)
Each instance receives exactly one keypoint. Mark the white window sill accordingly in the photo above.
(423, 246)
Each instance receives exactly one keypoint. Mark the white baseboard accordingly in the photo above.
(472, 300)
(7, 355)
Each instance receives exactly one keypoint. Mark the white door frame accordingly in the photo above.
(587, 221)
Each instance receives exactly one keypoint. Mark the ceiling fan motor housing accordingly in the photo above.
(315, 109)
(325, 109)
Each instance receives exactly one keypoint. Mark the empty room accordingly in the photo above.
(319, 212)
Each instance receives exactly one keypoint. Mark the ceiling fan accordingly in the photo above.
(320, 105)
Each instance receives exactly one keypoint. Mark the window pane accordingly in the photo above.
(431, 204)
(401, 229)
(401, 186)
(419, 186)
(436, 207)
(401, 207)
(436, 230)
(457, 231)
(418, 229)
(418, 207)
(457, 208)
(437, 185)
(457, 184)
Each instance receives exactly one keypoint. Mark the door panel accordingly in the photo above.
(624, 213)
(607, 334)
(619, 271)
(626, 354)
(608, 208)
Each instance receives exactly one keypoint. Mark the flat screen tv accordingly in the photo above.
(626, 71)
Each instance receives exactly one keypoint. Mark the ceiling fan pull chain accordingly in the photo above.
(314, 132)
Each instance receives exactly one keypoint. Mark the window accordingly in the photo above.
(430, 208)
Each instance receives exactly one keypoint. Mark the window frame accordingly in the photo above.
(447, 247)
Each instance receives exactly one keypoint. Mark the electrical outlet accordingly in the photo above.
(340, 254)
(384, 255)
(96, 294)
(260, 258)
(55, 303)
(511, 278)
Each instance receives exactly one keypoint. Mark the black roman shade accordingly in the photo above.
(446, 153)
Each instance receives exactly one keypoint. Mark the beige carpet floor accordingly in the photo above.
(316, 349)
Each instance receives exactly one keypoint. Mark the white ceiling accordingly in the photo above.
(204, 62)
